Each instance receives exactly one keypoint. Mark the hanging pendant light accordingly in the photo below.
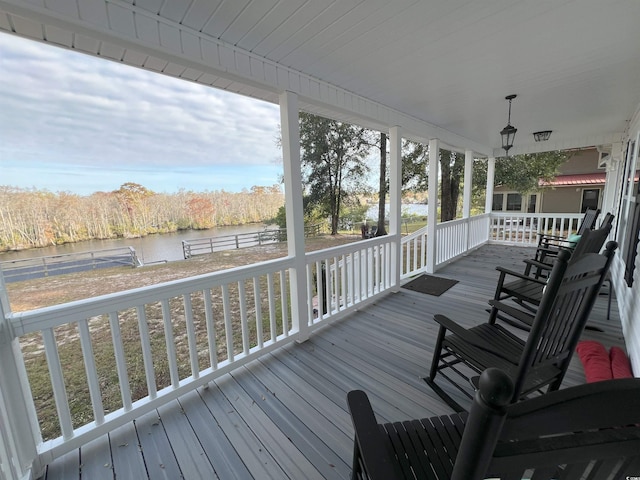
(509, 132)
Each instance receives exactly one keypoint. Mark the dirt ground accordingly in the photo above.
(43, 292)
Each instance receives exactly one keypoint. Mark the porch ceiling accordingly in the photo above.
(436, 67)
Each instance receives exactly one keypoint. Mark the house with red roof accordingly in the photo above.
(579, 185)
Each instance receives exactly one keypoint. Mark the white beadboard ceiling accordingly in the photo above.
(435, 67)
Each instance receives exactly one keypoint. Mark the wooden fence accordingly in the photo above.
(201, 246)
(47, 266)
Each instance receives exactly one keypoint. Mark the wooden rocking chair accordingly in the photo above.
(548, 249)
(542, 359)
(553, 242)
(526, 288)
(591, 431)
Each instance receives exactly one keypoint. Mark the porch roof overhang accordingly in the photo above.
(437, 68)
(598, 178)
(576, 179)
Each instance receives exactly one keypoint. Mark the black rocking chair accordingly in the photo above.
(552, 242)
(526, 288)
(591, 431)
(542, 359)
(548, 249)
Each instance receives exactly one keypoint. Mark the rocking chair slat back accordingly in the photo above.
(561, 318)
(565, 435)
(539, 362)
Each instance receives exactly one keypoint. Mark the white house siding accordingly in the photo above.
(629, 297)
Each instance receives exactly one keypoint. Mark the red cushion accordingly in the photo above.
(595, 359)
(620, 365)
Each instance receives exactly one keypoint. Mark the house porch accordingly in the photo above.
(284, 415)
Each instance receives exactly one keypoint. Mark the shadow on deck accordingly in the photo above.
(285, 415)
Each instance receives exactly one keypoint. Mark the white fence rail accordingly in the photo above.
(346, 276)
(457, 237)
(413, 252)
(453, 239)
(523, 228)
(185, 332)
(182, 334)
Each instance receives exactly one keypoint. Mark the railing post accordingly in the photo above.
(19, 430)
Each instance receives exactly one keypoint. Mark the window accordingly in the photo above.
(632, 240)
(631, 236)
(497, 202)
(514, 202)
(590, 197)
(531, 208)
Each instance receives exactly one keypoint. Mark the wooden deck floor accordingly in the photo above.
(284, 416)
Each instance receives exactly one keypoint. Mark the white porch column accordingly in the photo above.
(432, 208)
(19, 429)
(468, 182)
(612, 179)
(294, 213)
(395, 202)
(491, 174)
(466, 196)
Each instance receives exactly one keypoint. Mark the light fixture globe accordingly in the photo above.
(508, 135)
(509, 132)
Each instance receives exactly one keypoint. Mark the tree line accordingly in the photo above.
(37, 218)
(336, 161)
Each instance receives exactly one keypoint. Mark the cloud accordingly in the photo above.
(61, 108)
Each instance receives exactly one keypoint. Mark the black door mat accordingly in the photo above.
(429, 284)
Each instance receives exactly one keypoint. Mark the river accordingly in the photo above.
(149, 249)
(419, 209)
(166, 246)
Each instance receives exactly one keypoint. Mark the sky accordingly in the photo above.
(70, 122)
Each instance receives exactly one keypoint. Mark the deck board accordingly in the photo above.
(95, 458)
(284, 415)
(191, 457)
(128, 461)
(159, 457)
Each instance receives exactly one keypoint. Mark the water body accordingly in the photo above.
(168, 246)
(150, 249)
(406, 209)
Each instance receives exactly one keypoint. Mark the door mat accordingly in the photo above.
(431, 285)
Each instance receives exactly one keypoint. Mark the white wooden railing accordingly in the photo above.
(453, 239)
(202, 327)
(457, 237)
(413, 253)
(344, 277)
(523, 228)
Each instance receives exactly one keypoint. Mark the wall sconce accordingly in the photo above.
(542, 136)
(509, 132)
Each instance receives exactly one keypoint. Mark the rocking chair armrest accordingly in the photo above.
(470, 337)
(516, 313)
(548, 236)
(456, 329)
(536, 264)
(505, 271)
(371, 445)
